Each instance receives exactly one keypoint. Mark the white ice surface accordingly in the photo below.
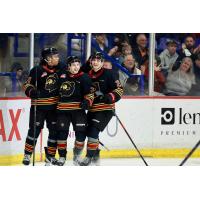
(139, 162)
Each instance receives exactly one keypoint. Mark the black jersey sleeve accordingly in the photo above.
(116, 89)
(87, 90)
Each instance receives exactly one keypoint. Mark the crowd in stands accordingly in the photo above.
(176, 67)
(11, 85)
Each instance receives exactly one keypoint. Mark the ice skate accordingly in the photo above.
(61, 161)
(96, 158)
(49, 160)
(76, 157)
(86, 161)
(26, 159)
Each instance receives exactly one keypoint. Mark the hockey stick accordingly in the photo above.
(130, 138)
(190, 153)
(104, 146)
(35, 111)
(31, 62)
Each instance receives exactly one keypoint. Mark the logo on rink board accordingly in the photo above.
(179, 121)
(170, 116)
(14, 118)
(167, 116)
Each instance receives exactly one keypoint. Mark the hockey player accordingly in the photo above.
(108, 90)
(41, 87)
(74, 98)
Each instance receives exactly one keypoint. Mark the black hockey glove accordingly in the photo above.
(85, 105)
(34, 94)
(107, 98)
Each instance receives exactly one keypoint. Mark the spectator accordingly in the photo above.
(18, 69)
(187, 50)
(159, 78)
(168, 57)
(131, 38)
(102, 41)
(195, 90)
(25, 74)
(179, 82)
(120, 40)
(190, 45)
(114, 52)
(107, 64)
(126, 50)
(130, 84)
(140, 51)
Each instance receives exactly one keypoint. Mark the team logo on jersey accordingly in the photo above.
(67, 89)
(96, 86)
(97, 89)
(50, 84)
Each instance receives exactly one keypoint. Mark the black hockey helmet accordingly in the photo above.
(97, 55)
(49, 51)
(72, 59)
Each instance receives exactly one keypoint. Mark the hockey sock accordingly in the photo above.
(52, 143)
(92, 146)
(79, 142)
(62, 143)
(29, 144)
(78, 147)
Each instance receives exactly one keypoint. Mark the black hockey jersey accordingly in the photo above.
(73, 89)
(105, 83)
(46, 88)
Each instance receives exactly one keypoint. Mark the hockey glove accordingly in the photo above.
(33, 94)
(85, 104)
